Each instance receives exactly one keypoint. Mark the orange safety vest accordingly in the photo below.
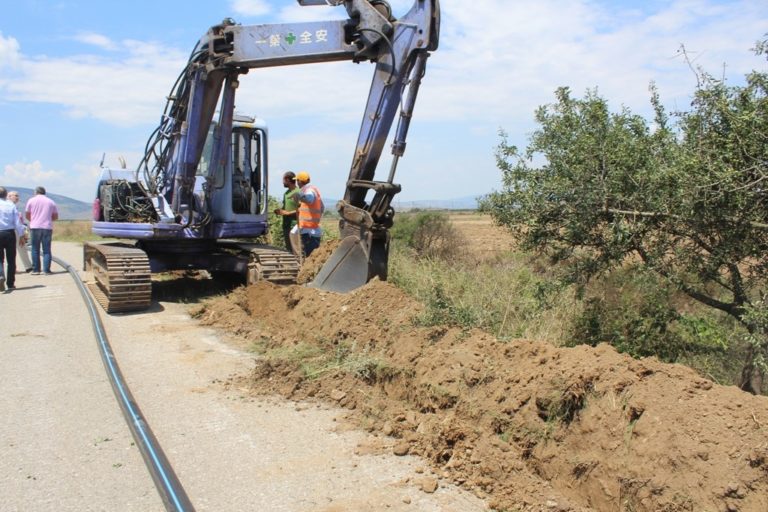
(310, 213)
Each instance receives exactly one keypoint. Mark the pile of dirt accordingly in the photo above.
(312, 265)
(522, 423)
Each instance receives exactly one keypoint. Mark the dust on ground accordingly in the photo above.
(522, 423)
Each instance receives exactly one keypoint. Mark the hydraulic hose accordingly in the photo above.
(171, 491)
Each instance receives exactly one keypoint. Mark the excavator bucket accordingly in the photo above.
(346, 269)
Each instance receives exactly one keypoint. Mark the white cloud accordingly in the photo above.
(9, 52)
(325, 154)
(125, 90)
(95, 39)
(334, 91)
(78, 182)
(295, 13)
(499, 71)
(250, 7)
(29, 174)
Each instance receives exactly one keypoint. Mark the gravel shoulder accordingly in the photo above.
(65, 444)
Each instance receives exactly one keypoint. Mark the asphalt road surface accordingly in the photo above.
(66, 447)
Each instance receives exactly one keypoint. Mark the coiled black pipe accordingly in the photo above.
(172, 493)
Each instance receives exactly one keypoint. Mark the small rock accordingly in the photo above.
(429, 485)
(401, 448)
(407, 500)
(734, 491)
(551, 504)
(338, 395)
(411, 436)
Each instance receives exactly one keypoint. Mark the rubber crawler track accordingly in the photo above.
(167, 483)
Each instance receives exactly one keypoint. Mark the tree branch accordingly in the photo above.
(727, 307)
(756, 225)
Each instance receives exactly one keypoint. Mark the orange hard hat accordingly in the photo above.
(303, 176)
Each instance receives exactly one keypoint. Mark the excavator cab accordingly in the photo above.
(239, 188)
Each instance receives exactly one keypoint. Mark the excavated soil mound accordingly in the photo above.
(525, 424)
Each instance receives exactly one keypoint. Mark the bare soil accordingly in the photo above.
(525, 424)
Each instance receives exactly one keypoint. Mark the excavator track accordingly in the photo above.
(122, 276)
(267, 263)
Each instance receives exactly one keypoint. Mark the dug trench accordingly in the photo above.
(522, 423)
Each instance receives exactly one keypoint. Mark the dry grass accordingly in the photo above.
(73, 231)
(487, 284)
(503, 296)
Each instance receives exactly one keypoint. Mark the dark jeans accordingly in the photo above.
(309, 243)
(8, 252)
(41, 238)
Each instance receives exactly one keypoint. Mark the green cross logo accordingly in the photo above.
(291, 38)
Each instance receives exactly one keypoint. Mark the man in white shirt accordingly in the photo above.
(10, 228)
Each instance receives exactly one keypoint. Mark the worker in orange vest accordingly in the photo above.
(311, 209)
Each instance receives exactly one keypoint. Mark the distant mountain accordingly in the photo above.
(456, 203)
(69, 209)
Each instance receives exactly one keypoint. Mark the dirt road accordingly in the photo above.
(65, 445)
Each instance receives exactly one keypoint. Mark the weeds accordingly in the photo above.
(314, 361)
(503, 296)
(564, 406)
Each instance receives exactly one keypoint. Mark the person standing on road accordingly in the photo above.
(289, 211)
(41, 212)
(21, 250)
(310, 211)
(10, 228)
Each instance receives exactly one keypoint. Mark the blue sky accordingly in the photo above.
(79, 79)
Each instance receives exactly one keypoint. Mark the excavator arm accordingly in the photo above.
(399, 49)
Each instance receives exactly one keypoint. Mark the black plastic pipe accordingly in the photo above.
(172, 493)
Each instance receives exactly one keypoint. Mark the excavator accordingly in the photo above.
(199, 195)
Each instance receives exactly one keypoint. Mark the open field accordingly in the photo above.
(482, 236)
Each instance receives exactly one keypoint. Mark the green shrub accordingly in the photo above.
(639, 314)
(429, 235)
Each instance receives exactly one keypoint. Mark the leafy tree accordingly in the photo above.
(685, 197)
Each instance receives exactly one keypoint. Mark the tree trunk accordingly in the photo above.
(751, 376)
